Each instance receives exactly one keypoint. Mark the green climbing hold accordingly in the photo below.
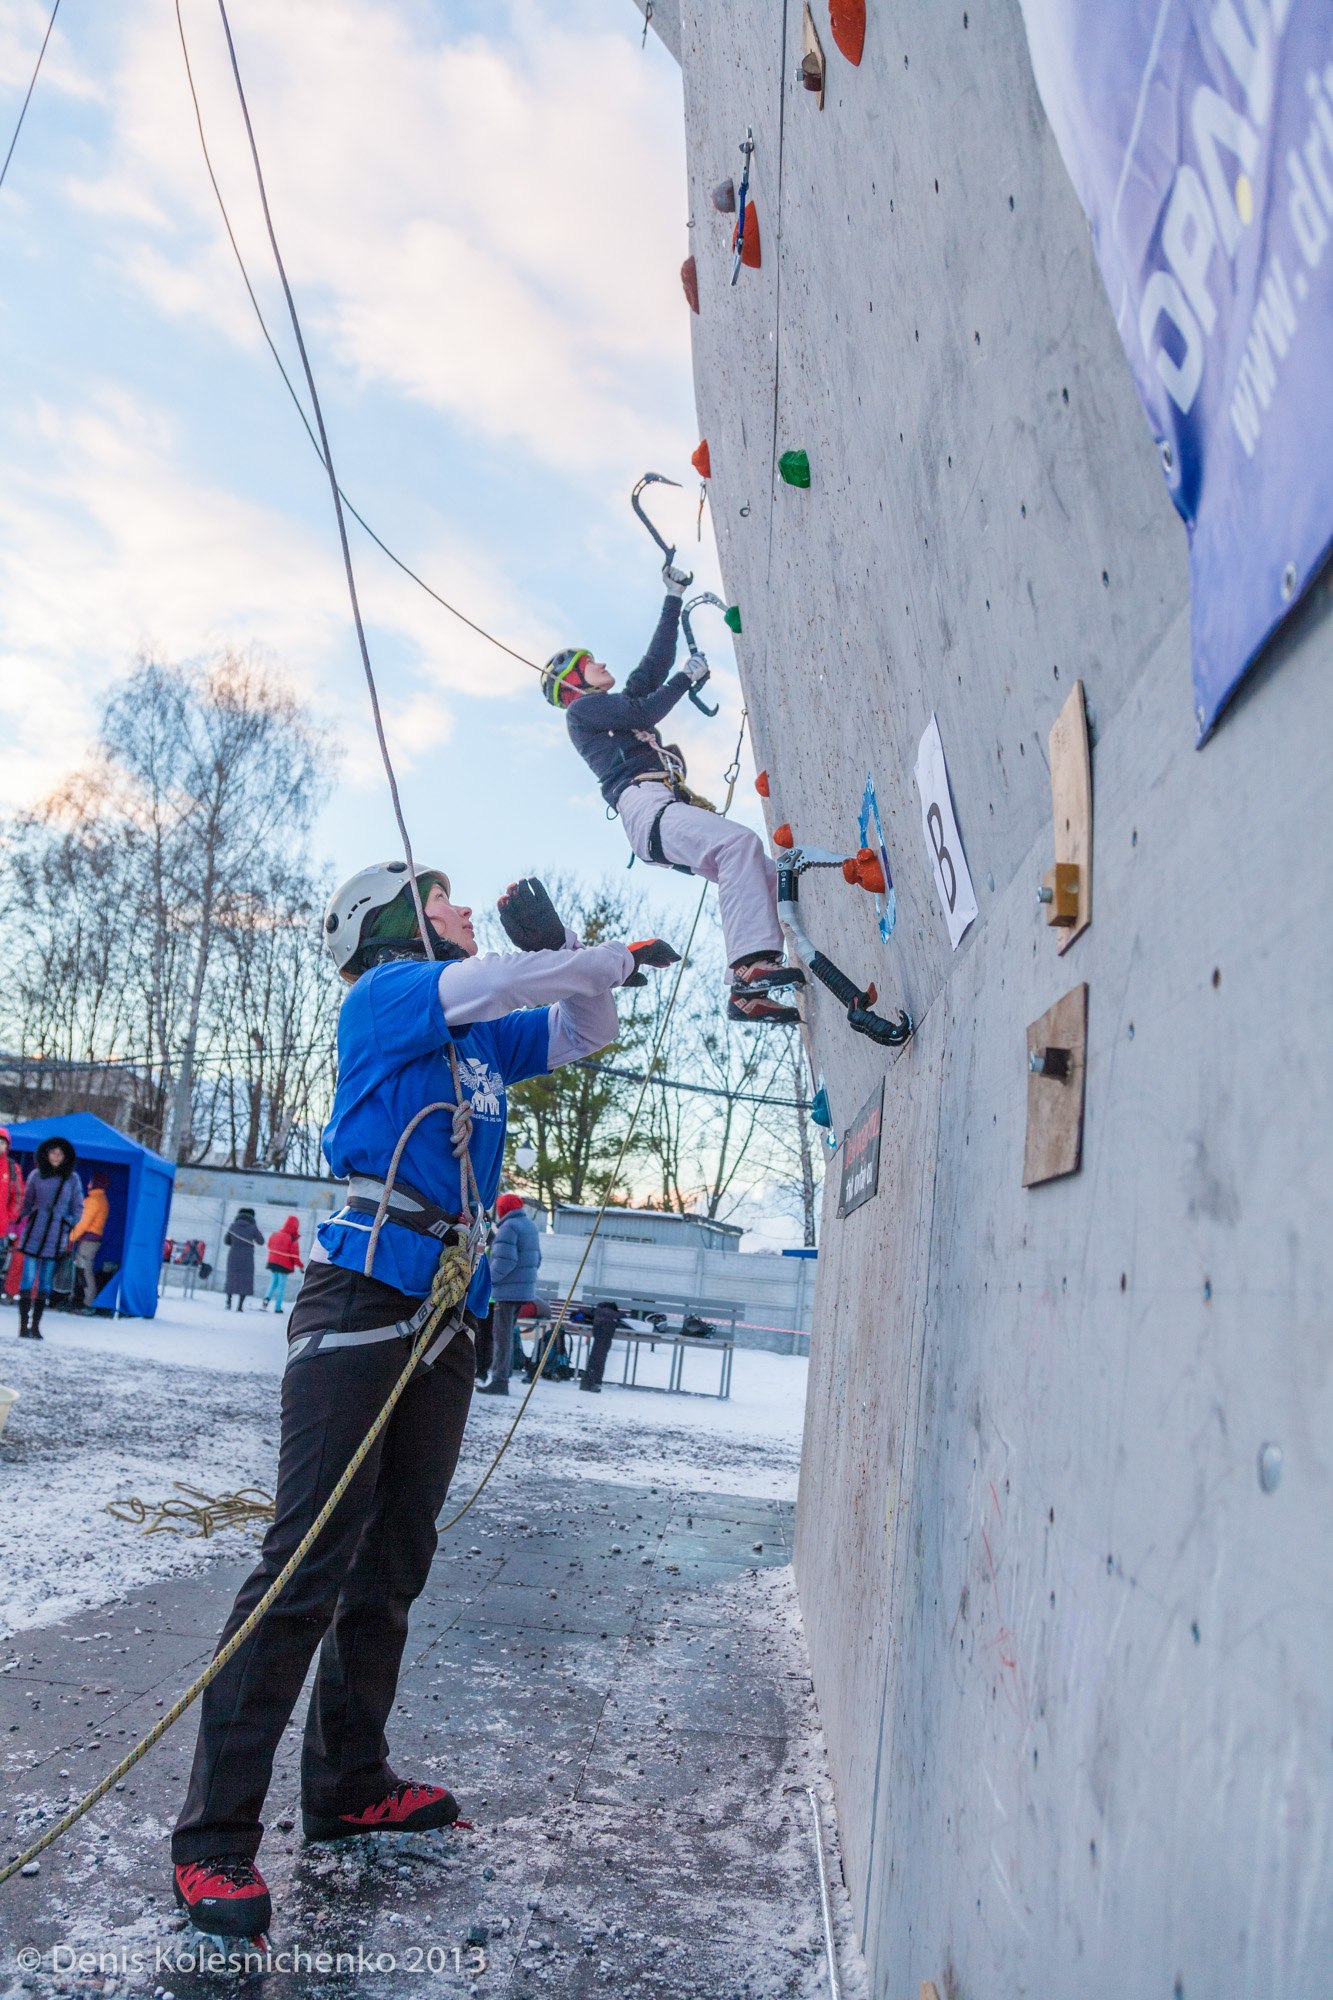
(795, 468)
(733, 617)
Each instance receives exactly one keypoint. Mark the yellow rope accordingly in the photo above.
(201, 1515)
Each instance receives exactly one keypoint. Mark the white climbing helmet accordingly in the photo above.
(361, 896)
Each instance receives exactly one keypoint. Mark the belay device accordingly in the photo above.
(669, 552)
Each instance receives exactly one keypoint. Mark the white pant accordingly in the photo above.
(720, 851)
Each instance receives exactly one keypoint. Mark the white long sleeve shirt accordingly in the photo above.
(577, 986)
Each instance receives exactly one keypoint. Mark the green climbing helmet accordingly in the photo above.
(561, 675)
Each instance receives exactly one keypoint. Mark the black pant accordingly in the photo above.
(604, 1318)
(504, 1335)
(355, 1587)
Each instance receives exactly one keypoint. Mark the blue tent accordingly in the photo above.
(139, 1185)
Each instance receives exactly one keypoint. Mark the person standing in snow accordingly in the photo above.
(241, 1241)
(516, 1257)
(86, 1240)
(11, 1205)
(502, 1017)
(52, 1202)
(284, 1257)
(643, 781)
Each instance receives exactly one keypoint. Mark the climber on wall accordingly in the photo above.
(666, 823)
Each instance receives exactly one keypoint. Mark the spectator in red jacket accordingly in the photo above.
(11, 1202)
(284, 1257)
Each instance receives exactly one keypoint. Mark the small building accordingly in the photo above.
(648, 1225)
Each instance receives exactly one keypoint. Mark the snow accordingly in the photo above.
(114, 1408)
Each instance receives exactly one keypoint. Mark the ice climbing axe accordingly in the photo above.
(704, 597)
(742, 202)
(860, 1004)
(653, 479)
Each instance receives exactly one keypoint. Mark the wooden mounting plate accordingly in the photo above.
(1055, 1107)
(1071, 803)
(812, 46)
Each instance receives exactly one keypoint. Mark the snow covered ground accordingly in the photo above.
(113, 1408)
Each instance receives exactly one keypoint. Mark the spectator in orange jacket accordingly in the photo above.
(284, 1257)
(11, 1201)
(86, 1237)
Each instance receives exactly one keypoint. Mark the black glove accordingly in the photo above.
(652, 951)
(530, 918)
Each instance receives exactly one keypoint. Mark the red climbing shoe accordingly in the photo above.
(761, 975)
(760, 1009)
(406, 1809)
(225, 1895)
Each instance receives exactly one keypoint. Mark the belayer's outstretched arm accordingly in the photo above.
(577, 985)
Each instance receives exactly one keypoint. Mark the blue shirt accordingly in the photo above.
(393, 1059)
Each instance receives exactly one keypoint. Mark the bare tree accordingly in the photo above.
(223, 763)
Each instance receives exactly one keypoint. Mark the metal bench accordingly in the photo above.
(681, 1344)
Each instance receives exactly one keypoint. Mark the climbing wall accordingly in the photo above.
(1063, 1541)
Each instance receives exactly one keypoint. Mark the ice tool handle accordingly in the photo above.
(860, 1005)
(653, 479)
(704, 597)
(742, 203)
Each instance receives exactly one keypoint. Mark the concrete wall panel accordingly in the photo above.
(1071, 1657)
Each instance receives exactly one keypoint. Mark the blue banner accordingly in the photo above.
(1199, 135)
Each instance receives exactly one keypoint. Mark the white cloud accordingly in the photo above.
(108, 546)
(478, 225)
(22, 26)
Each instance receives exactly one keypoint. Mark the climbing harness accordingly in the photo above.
(859, 1004)
(742, 204)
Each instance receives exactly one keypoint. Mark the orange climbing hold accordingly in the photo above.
(750, 254)
(863, 871)
(783, 835)
(761, 785)
(689, 278)
(847, 18)
(701, 462)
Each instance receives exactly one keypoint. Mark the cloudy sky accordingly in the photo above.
(483, 214)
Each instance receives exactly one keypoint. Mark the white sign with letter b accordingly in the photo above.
(942, 837)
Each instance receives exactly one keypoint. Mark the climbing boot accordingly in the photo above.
(759, 1010)
(225, 1896)
(408, 1808)
(762, 975)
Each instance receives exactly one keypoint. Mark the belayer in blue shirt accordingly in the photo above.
(504, 1017)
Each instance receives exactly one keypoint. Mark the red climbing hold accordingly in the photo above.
(847, 18)
(750, 254)
(783, 835)
(700, 460)
(689, 278)
(863, 871)
(761, 785)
